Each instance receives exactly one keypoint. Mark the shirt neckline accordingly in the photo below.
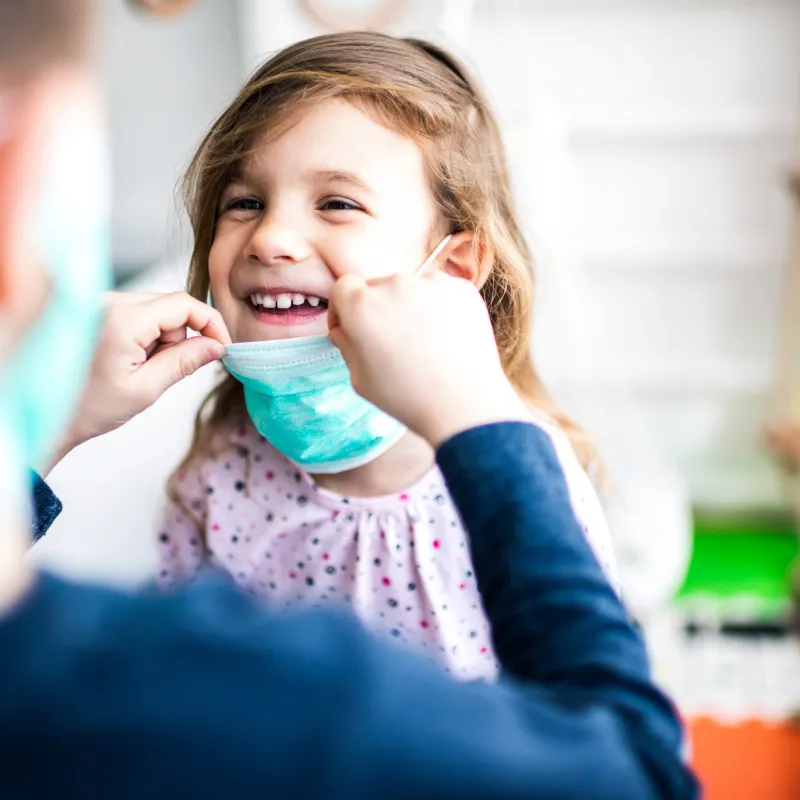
(399, 499)
(246, 435)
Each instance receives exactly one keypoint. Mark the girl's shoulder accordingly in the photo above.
(564, 450)
(583, 494)
(578, 479)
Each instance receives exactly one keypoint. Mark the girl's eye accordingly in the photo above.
(244, 204)
(339, 204)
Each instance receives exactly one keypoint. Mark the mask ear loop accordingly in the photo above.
(425, 267)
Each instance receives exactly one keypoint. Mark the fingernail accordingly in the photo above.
(216, 352)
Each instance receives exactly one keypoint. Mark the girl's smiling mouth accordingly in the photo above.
(282, 306)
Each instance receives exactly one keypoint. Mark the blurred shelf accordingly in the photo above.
(682, 127)
(740, 569)
(623, 126)
(710, 521)
(632, 5)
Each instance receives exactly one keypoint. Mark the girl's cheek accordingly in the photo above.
(377, 259)
(353, 254)
(219, 270)
(216, 270)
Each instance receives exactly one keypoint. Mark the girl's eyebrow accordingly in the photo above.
(326, 176)
(238, 180)
(241, 174)
(339, 176)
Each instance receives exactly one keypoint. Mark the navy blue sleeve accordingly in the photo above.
(45, 507)
(556, 621)
(203, 694)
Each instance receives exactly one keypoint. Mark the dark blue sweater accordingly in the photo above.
(203, 694)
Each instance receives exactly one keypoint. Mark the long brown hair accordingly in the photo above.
(417, 89)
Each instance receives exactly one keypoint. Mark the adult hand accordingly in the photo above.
(144, 349)
(423, 350)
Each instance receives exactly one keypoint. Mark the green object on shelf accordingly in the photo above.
(734, 559)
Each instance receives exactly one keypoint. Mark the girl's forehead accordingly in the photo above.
(337, 136)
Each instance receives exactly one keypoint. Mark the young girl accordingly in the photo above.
(346, 153)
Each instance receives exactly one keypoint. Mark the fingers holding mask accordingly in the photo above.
(144, 348)
(157, 318)
(156, 329)
(420, 348)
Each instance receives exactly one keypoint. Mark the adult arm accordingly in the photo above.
(215, 695)
(556, 622)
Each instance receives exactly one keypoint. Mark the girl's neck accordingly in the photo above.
(395, 470)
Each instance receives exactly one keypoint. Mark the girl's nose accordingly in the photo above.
(276, 240)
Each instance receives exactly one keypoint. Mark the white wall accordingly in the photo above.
(681, 117)
(166, 79)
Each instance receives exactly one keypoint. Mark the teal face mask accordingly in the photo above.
(300, 398)
(42, 381)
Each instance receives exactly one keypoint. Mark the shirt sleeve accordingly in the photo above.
(583, 497)
(556, 621)
(45, 507)
(180, 536)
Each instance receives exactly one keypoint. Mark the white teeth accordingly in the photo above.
(284, 300)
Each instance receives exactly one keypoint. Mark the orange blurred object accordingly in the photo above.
(749, 761)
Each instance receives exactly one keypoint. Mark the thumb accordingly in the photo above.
(344, 296)
(173, 363)
(339, 339)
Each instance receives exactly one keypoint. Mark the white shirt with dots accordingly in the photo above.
(401, 561)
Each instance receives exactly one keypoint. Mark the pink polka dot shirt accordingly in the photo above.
(401, 561)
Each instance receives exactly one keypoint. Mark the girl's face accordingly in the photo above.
(336, 192)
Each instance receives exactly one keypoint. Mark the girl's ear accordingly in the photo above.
(467, 256)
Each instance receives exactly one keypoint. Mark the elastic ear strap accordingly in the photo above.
(423, 268)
